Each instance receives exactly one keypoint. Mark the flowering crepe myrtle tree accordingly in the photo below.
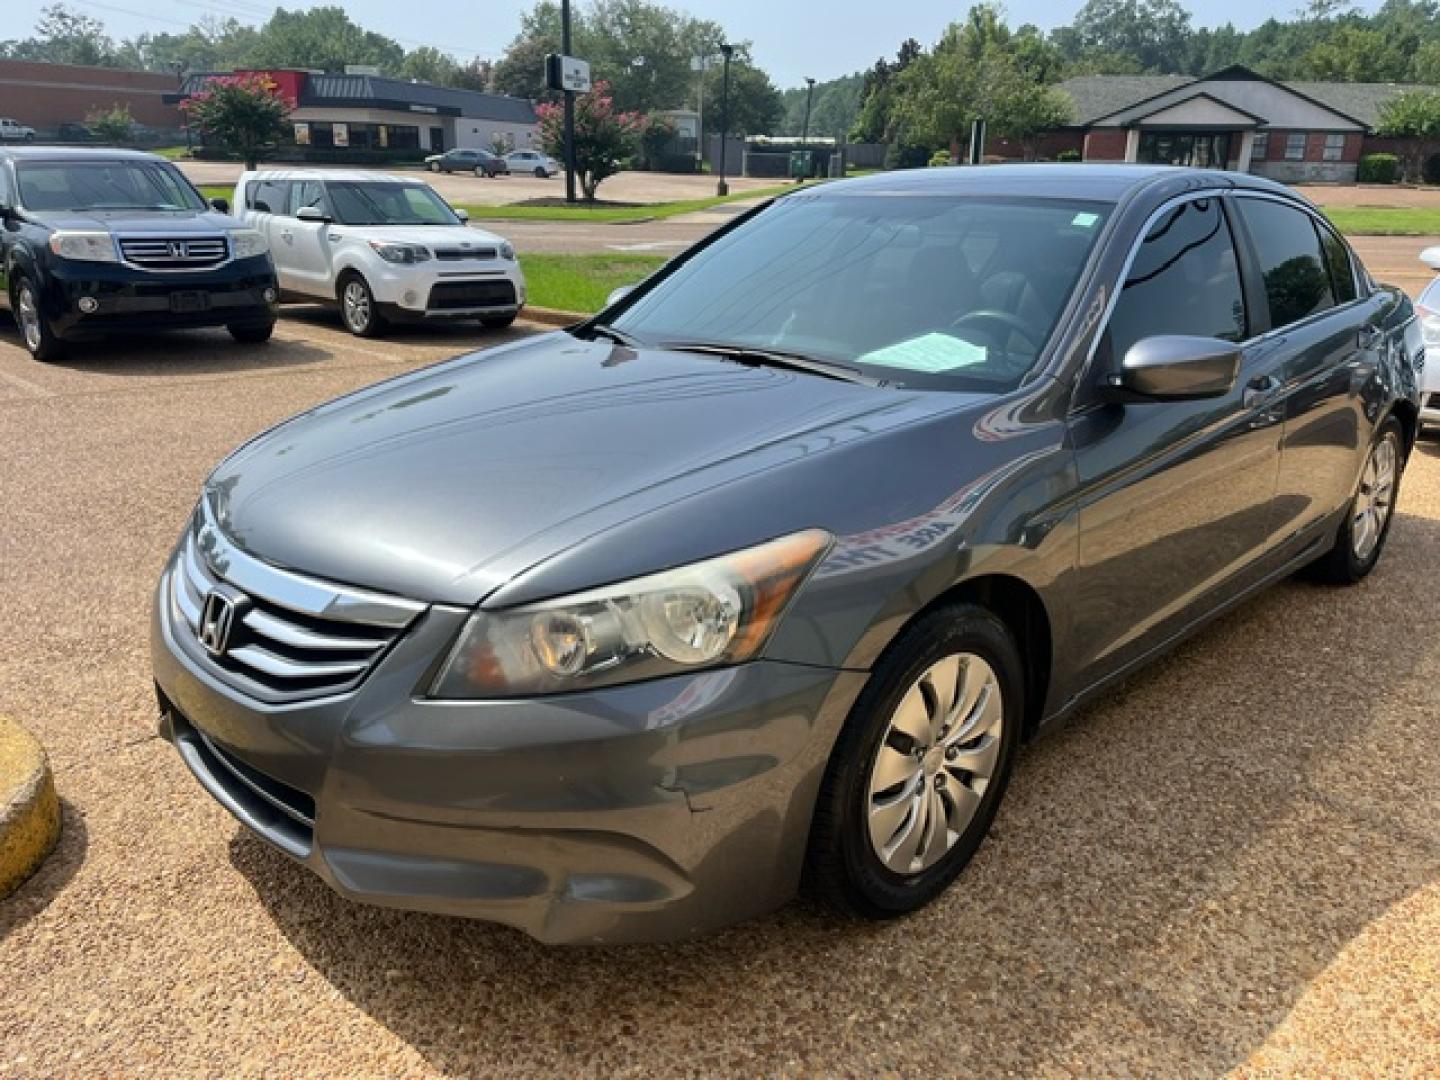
(604, 138)
(245, 113)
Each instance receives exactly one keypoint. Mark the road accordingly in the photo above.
(1230, 861)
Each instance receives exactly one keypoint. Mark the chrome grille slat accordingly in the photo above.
(174, 252)
(292, 637)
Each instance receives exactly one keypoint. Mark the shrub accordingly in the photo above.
(907, 156)
(939, 157)
(112, 125)
(1068, 154)
(1379, 169)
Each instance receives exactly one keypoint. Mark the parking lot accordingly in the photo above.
(1231, 861)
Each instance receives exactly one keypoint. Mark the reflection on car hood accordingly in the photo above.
(428, 235)
(169, 222)
(433, 484)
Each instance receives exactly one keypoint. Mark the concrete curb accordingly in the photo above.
(29, 809)
(552, 316)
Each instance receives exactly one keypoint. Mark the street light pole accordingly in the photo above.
(805, 132)
(569, 107)
(722, 188)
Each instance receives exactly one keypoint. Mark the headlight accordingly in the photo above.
(84, 246)
(720, 611)
(401, 253)
(507, 251)
(247, 243)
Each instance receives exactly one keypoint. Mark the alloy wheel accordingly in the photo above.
(939, 754)
(1376, 497)
(356, 301)
(28, 315)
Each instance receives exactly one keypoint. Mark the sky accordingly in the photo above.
(820, 38)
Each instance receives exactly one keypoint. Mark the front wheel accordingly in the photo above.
(541, 173)
(920, 766)
(40, 340)
(1368, 516)
(358, 308)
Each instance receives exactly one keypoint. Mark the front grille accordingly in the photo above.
(174, 252)
(290, 638)
(471, 294)
(461, 254)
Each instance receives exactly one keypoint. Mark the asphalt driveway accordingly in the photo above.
(1232, 861)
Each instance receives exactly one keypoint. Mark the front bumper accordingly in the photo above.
(131, 300)
(646, 812)
(443, 289)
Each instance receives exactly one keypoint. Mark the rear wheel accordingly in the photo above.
(358, 308)
(920, 767)
(40, 341)
(1366, 527)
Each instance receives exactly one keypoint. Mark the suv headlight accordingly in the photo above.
(720, 611)
(401, 253)
(247, 243)
(84, 246)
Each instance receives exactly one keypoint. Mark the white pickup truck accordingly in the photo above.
(14, 131)
(384, 248)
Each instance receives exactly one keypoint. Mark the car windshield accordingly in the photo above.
(935, 291)
(380, 203)
(104, 185)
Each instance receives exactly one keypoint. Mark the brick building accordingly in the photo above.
(1296, 132)
(48, 96)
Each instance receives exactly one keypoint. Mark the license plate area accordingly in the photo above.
(189, 300)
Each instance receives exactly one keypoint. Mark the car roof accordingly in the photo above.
(1106, 183)
(74, 153)
(344, 175)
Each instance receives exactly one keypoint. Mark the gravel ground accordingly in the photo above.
(1231, 862)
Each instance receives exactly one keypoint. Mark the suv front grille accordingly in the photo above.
(174, 252)
(291, 638)
(453, 295)
(461, 254)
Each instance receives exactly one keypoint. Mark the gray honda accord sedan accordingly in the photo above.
(761, 576)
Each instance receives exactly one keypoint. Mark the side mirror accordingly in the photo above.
(1174, 367)
(223, 205)
(311, 213)
(462, 214)
(619, 294)
(1431, 257)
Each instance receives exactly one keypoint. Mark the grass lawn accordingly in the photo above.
(217, 191)
(582, 282)
(173, 153)
(653, 211)
(1386, 221)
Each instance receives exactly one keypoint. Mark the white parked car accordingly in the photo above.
(533, 162)
(385, 248)
(14, 131)
(1427, 308)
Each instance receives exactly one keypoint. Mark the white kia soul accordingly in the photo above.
(385, 248)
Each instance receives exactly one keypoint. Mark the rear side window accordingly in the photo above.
(269, 196)
(1184, 280)
(1297, 280)
(306, 193)
(1337, 258)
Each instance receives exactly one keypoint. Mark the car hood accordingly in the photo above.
(425, 235)
(169, 222)
(446, 483)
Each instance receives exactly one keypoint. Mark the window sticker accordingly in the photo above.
(1085, 220)
(931, 353)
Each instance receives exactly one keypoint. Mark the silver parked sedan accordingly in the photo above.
(763, 574)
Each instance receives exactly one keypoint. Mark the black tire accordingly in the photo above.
(1343, 564)
(361, 319)
(481, 172)
(251, 333)
(541, 173)
(36, 334)
(497, 322)
(842, 866)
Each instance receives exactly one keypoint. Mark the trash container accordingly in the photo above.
(801, 164)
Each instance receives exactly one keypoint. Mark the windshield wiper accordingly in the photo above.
(777, 358)
(609, 333)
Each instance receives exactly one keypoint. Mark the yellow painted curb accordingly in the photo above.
(29, 810)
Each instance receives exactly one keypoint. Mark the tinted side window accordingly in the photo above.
(1297, 283)
(1337, 257)
(1185, 280)
(269, 196)
(7, 197)
(306, 193)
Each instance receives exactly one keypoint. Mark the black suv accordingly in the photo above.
(97, 242)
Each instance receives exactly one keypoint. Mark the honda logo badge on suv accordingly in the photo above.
(179, 249)
(216, 621)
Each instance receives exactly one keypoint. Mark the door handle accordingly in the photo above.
(288, 237)
(1259, 389)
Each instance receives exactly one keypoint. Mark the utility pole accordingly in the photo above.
(569, 107)
(805, 132)
(722, 188)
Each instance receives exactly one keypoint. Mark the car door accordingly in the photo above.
(1326, 333)
(305, 244)
(265, 199)
(1174, 496)
(9, 231)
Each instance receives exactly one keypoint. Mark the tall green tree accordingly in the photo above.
(323, 38)
(64, 35)
(1414, 118)
(244, 113)
(1152, 32)
(756, 107)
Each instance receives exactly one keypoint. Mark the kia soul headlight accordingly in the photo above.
(401, 253)
(720, 611)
